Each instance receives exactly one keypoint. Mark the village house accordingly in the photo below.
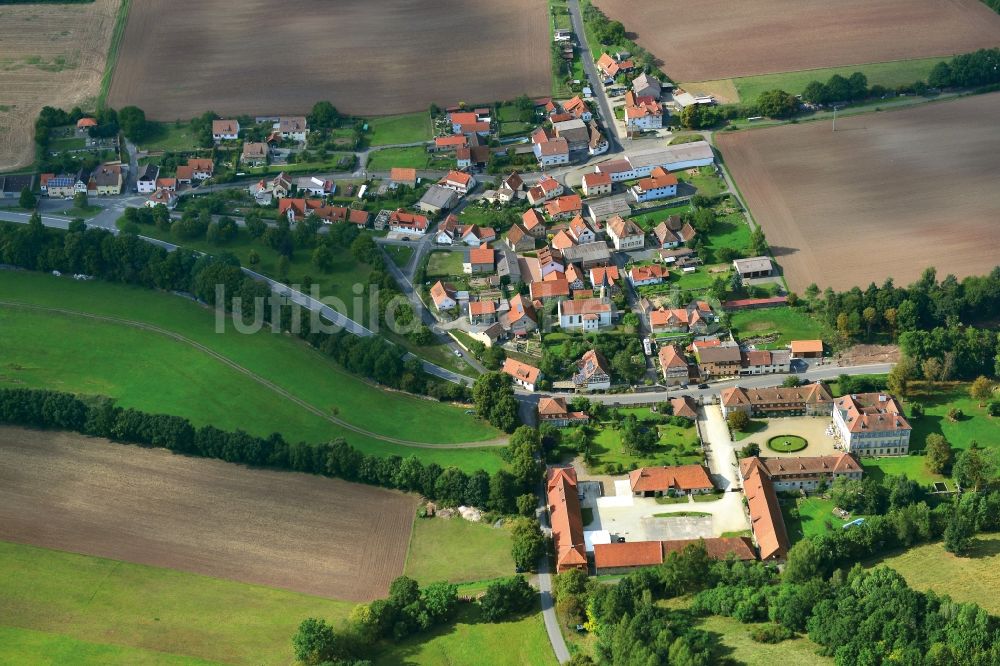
(565, 519)
(161, 198)
(557, 289)
(670, 481)
(314, 186)
(564, 207)
(518, 239)
(520, 319)
(107, 180)
(552, 152)
(806, 400)
(292, 127)
(524, 375)
(625, 234)
(547, 188)
(670, 158)
(402, 176)
(764, 362)
(225, 130)
(659, 185)
(575, 278)
(475, 236)
(509, 267)
(807, 348)
(580, 231)
(265, 191)
(437, 199)
(554, 412)
(145, 182)
(646, 85)
(255, 154)
(641, 276)
(671, 232)
(766, 521)
(401, 221)
(562, 241)
(695, 318)
(623, 558)
(450, 143)
(871, 424)
(754, 267)
(803, 472)
(184, 174)
(578, 108)
(510, 188)
(598, 144)
(459, 181)
(721, 361)
(549, 261)
(610, 67)
(685, 407)
(443, 296)
(588, 314)
(605, 278)
(482, 312)
(575, 132)
(295, 209)
(43, 182)
(448, 230)
(533, 223)
(478, 260)
(596, 184)
(201, 168)
(642, 113)
(593, 372)
(673, 365)
(166, 184)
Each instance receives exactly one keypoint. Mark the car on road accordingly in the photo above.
(703, 386)
(456, 353)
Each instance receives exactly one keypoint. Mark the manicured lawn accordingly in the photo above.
(140, 611)
(788, 323)
(515, 128)
(68, 143)
(888, 74)
(415, 157)
(170, 137)
(26, 646)
(332, 163)
(457, 551)
(682, 514)
(699, 279)
(707, 183)
(149, 371)
(649, 220)
(471, 640)
(509, 113)
(730, 231)
(973, 579)
(787, 443)
(753, 428)
(444, 263)
(400, 254)
(407, 128)
(813, 515)
(677, 446)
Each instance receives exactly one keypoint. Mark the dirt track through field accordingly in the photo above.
(720, 39)
(501, 441)
(182, 57)
(50, 55)
(294, 531)
(887, 195)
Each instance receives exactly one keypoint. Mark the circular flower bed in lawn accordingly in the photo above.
(787, 443)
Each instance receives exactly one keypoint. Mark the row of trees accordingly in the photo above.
(408, 610)
(99, 417)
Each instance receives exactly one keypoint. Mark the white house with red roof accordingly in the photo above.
(660, 184)
(403, 222)
(524, 375)
(596, 184)
(458, 181)
(871, 424)
(587, 314)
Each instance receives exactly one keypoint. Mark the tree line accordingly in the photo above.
(504, 491)
(408, 610)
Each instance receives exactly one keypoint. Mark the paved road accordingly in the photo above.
(594, 78)
(545, 586)
(722, 449)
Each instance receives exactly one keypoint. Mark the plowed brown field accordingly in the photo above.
(887, 195)
(720, 39)
(50, 55)
(294, 531)
(182, 57)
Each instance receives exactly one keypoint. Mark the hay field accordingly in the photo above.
(718, 39)
(292, 531)
(887, 195)
(182, 57)
(50, 55)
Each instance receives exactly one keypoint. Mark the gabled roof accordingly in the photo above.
(517, 233)
(557, 146)
(592, 363)
(778, 468)
(807, 394)
(620, 227)
(765, 512)
(672, 357)
(562, 240)
(482, 308)
(584, 306)
(604, 275)
(520, 309)
(682, 477)
(565, 518)
(522, 371)
(571, 203)
(872, 412)
(596, 179)
(550, 289)
(225, 127)
(514, 181)
(457, 177)
(402, 175)
(651, 272)
(481, 255)
(628, 554)
(807, 346)
(718, 548)
(532, 218)
(441, 291)
(685, 406)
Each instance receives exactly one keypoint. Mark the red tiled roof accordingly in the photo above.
(566, 519)
(532, 218)
(807, 346)
(683, 477)
(481, 255)
(765, 514)
(872, 412)
(718, 548)
(550, 289)
(402, 175)
(629, 554)
(522, 371)
(482, 308)
(671, 357)
(595, 179)
(571, 203)
(684, 406)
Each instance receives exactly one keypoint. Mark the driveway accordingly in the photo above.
(812, 428)
(721, 448)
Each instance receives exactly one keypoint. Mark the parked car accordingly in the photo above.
(703, 386)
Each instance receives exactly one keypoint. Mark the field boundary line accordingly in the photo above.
(255, 377)
(111, 62)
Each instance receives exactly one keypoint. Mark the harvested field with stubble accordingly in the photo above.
(49, 56)
(298, 532)
(887, 195)
(367, 58)
(720, 39)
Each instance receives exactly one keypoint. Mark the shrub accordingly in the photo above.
(771, 633)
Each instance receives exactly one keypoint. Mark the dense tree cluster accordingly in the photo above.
(493, 395)
(936, 319)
